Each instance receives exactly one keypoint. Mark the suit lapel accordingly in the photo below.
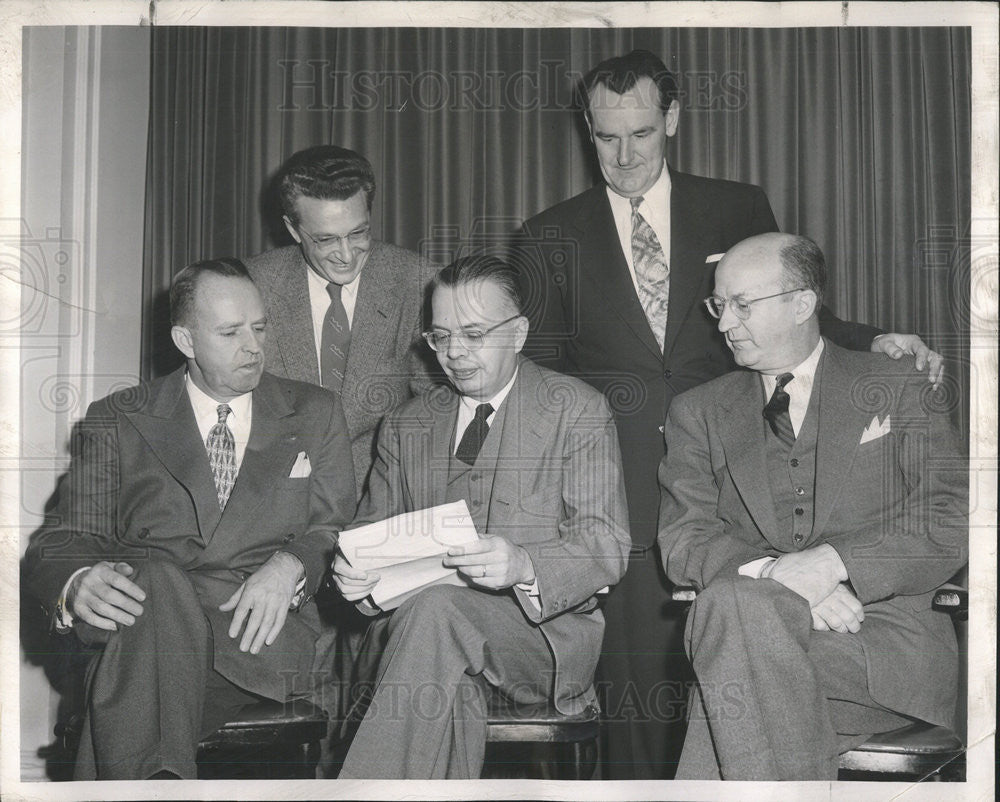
(291, 320)
(522, 427)
(839, 425)
(599, 243)
(691, 239)
(376, 307)
(169, 428)
(741, 433)
(441, 412)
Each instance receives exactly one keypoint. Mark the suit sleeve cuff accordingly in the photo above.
(755, 568)
(63, 618)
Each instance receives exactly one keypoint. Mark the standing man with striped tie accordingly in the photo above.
(344, 308)
(193, 528)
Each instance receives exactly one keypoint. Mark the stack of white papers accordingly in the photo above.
(407, 550)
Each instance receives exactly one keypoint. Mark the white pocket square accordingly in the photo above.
(715, 257)
(301, 469)
(875, 430)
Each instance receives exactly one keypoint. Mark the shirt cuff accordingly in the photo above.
(531, 589)
(63, 617)
(755, 568)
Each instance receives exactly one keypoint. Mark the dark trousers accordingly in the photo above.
(152, 693)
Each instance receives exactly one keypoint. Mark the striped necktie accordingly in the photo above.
(335, 342)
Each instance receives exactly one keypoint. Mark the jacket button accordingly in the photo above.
(794, 463)
(474, 477)
(667, 374)
(800, 491)
(797, 538)
(799, 511)
(288, 538)
(143, 533)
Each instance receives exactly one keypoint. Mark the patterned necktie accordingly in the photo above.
(651, 272)
(776, 411)
(221, 447)
(335, 342)
(475, 434)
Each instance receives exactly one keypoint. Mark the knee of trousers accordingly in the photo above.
(740, 601)
(436, 610)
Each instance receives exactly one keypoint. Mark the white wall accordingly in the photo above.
(85, 119)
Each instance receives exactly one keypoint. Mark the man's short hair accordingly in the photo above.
(185, 285)
(325, 172)
(619, 74)
(803, 265)
(470, 269)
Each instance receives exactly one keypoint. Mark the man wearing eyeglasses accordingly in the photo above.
(343, 308)
(815, 500)
(617, 274)
(534, 454)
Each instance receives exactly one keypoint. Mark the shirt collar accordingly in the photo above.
(655, 201)
(319, 283)
(204, 405)
(804, 373)
(470, 404)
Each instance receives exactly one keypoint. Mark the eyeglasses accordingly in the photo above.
(355, 239)
(716, 306)
(472, 339)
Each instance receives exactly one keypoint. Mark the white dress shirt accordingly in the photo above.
(319, 305)
(655, 210)
(799, 392)
(467, 410)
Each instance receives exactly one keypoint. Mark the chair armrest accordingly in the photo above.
(683, 594)
(952, 599)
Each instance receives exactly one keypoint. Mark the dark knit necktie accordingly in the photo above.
(335, 342)
(651, 272)
(475, 434)
(221, 447)
(776, 411)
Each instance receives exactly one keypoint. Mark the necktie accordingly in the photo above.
(651, 272)
(776, 411)
(475, 434)
(221, 447)
(335, 342)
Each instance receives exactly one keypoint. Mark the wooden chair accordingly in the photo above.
(269, 741)
(918, 751)
(539, 742)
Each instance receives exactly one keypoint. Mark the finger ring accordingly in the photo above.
(483, 568)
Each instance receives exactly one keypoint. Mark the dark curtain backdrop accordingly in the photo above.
(860, 137)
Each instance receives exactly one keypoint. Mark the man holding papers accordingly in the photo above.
(534, 456)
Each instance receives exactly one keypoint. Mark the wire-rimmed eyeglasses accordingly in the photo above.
(355, 239)
(741, 307)
(472, 339)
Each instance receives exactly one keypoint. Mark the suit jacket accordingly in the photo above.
(386, 363)
(557, 491)
(587, 320)
(894, 507)
(140, 488)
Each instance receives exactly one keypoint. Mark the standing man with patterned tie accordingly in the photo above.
(816, 533)
(614, 279)
(344, 308)
(195, 524)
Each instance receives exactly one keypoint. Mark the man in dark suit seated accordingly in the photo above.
(344, 308)
(535, 456)
(816, 500)
(194, 525)
(614, 278)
